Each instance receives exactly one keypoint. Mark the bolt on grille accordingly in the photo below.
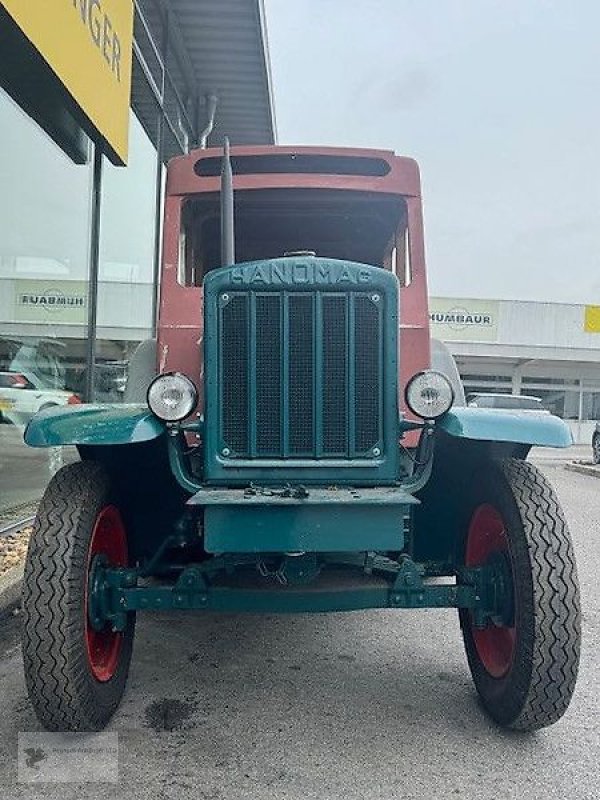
(301, 374)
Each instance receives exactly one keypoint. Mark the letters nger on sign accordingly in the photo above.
(88, 45)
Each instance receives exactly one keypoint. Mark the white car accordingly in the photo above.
(20, 399)
(517, 403)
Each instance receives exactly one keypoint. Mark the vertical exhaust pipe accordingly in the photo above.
(210, 102)
(227, 231)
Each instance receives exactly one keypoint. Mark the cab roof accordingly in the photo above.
(276, 167)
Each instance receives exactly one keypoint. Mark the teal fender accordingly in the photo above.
(483, 424)
(113, 424)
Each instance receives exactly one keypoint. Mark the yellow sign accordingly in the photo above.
(591, 322)
(88, 44)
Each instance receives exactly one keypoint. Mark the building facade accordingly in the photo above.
(95, 97)
(550, 350)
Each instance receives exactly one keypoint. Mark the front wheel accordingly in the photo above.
(596, 449)
(525, 667)
(75, 672)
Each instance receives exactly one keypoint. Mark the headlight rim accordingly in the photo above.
(194, 395)
(429, 372)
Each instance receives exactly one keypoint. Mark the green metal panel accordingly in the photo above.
(342, 285)
(325, 520)
(543, 430)
(229, 529)
(117, 423)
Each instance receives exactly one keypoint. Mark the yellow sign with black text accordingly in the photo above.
(88, 45)
(591, 322)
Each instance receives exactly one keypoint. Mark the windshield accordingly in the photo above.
(345, 225)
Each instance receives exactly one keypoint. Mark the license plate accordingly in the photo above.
(5, 405)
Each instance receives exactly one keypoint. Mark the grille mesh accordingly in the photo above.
(301, 374)
(367, 369)
(268, 374)
(335, 370)
(234, 360)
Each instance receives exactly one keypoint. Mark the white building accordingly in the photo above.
(550, 350)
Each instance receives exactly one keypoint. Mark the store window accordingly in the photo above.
(127, 255)
(487, 379)
(590, 406)
(551, 380)
(44, 247)
(560, 401)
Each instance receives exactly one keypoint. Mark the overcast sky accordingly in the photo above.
(498, 100)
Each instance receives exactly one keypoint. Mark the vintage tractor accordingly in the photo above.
(288, 448)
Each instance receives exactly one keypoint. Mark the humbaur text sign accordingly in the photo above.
(460, 319)
(53, 302)
(88, 45)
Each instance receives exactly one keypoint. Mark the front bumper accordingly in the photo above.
(317, 520)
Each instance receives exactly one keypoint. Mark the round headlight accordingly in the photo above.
(429, 394)
(172, 396)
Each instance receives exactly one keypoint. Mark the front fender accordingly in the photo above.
(482, 424)
(106, 424)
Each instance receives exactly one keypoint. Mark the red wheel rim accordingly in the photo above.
(110, 540)
(495, 644)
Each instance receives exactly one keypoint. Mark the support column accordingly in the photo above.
(517, 379)
(160, 139)
(158, 221)
(94, 265)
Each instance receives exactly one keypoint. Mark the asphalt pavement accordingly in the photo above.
(25, 471)
(359, 705)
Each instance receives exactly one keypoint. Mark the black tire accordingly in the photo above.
(596, 448)
(537, 685)
(59, 671)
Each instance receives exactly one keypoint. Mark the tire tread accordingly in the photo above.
(556, 597)
(540, 685)
(53, 648)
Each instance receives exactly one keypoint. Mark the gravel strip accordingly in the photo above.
(16, 513)
(13, 550)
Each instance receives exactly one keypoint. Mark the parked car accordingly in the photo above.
(20, 398)
(506, 402)
(596, 444)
